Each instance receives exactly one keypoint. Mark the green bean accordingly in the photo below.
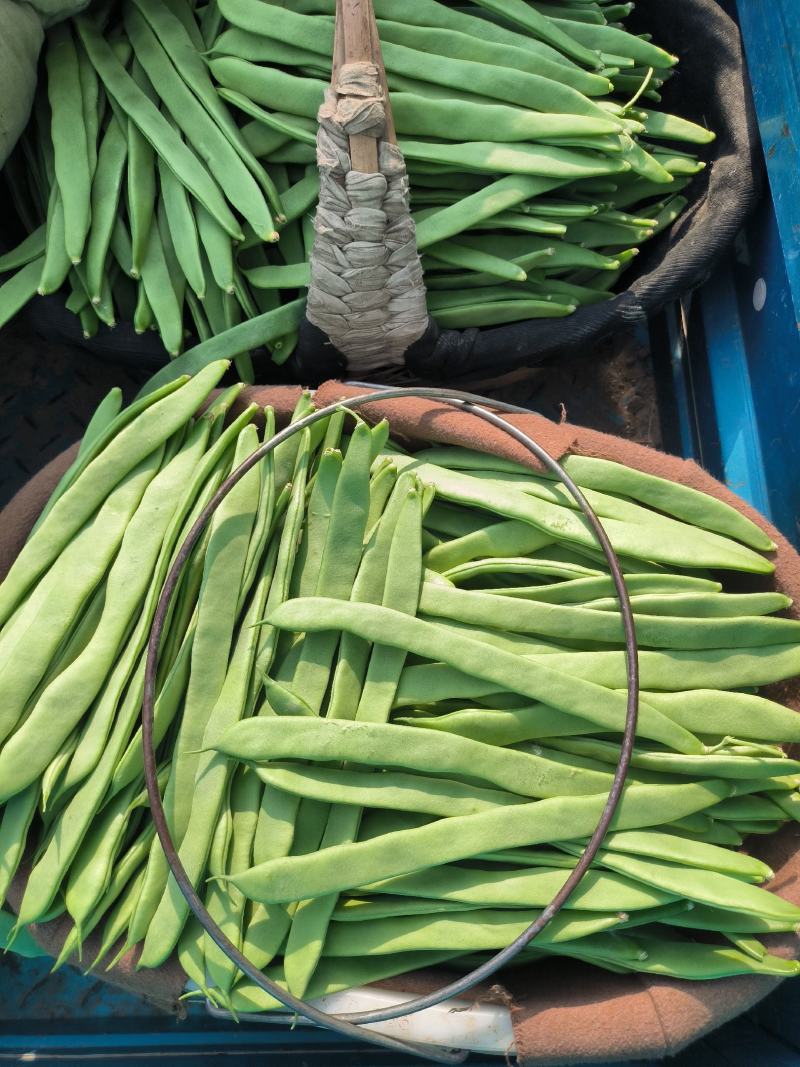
(505, 193)
(339, 563)
(525, 888)
(699, 605)
(611, 39)
(683, 959)
(353, 910)
(90, 872)
(52, 780)
(68, 131)
(191, 957)
(159, 288)
(130, 764)
(534, 680)
(57, 263)
(182, 228)
(154, 126)
(30, 248)
(554, 620)
(682, 501)
(580, 583)
(445, 841)
(472, 931)
(91, 107)
(669, 847)
(14, 826)
(244, 800)
(396, 791)
(78, 300)
(703, 917)
(497, 727)
(497, 539)
(452, 253)
(143, 319)
(141, 185)
(117, 921)
(401, 593)
(457, 44)
(748, 809)
(301, 196)
(369, 587)
(544, 29)
(218, 249)
(370, 743)
(718, 765)
(672, 671)
(547, 161)
(511, 220)
(719, 833)
(105, 200)
(500, 311)
(241, 338)
(20, 289)
(294, 276)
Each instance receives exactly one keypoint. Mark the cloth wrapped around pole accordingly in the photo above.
(564, 1012)
(366, 290)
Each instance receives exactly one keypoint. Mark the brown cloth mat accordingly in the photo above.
(563, 1012)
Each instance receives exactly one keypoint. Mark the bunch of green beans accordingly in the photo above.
(390, 699)
(532, 190)
(141, 198)
(535, 171)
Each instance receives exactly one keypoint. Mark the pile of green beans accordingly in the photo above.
(390, 699)
(538, 163)
(140, 197)
(144, 197)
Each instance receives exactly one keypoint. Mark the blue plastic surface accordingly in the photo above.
(734, 348)
(771, 35)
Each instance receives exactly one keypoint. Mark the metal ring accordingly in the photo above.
(349, 1024)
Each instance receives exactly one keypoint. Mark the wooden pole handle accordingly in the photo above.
(353, 44)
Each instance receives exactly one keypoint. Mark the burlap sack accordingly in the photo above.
(563, 1012)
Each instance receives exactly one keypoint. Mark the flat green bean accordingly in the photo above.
(448, 840)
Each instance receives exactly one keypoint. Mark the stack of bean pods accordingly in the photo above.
(389, 703)
(139, 192)
(535, 175)
(532, 191)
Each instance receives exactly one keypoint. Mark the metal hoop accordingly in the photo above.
(349, 1024)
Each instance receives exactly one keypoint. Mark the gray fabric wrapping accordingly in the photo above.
(366, 292)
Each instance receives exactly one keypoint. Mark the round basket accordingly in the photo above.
(572, 1012)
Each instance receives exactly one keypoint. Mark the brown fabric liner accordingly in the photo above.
(563, 1012)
